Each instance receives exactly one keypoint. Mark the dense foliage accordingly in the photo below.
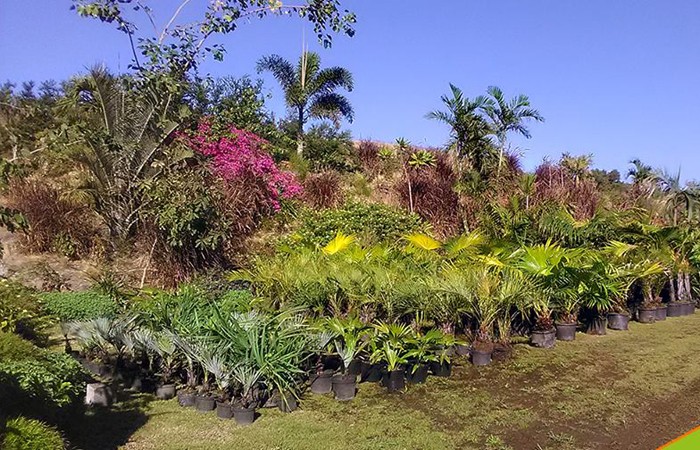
(29, 434)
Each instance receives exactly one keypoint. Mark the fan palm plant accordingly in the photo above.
(309, 90)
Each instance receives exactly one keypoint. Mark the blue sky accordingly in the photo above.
(618, 79)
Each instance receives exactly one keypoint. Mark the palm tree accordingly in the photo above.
(469, 131)
(578, 166)
(677, 197)
(509, 116)
(309, 90)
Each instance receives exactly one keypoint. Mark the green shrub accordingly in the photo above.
(31, 376)
(371, 223)
(13, 347)
(20, 310)
(85, 305)
(29, 434)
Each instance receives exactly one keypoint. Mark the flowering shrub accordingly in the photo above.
(241, 154)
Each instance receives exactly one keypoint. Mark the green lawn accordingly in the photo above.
(636, 389)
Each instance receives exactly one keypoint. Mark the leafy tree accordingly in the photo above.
(309, 90)
(177, 47)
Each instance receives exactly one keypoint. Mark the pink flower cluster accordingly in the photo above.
(242, 153)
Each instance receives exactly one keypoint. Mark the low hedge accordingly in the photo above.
(79, 306)
(28, 434)
(37, 380)
(20, 310)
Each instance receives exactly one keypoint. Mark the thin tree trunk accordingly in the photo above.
(300, 132)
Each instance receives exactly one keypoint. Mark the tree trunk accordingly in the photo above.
(672, 289)
(300, 132)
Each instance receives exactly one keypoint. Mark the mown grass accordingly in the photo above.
(571, 397)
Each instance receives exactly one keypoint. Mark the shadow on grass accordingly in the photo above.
(108, 428)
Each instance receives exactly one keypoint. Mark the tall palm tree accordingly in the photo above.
(469, 131)
(509, 116)
(309, 90)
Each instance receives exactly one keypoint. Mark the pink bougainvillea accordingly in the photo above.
(241, 154)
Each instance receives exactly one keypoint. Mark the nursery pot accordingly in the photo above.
(462, 349)
(395, 380)
(355, 367)
(543, 339)
(646, 315)
(371, 373)
(690, 308)
(418, 374)
(481, 357)
(288, 404)
(617, 321)
(661, 313)
(203, 403)
(566, 331)
(597, 326)
(441, 369)
(676, 309)
(165, 392)
(344, 386)
(223, 410)
(244, 416)
(186, 398)
(321, 382)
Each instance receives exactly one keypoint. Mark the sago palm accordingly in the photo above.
(309, 90)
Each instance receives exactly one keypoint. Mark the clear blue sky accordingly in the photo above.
(618, 79)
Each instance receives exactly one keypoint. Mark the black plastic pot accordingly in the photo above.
(186, 398)
(690, 309)
(418, 374)
(203, 403)
(617, 321)
(244, 416)
(598, 326)
(544, 339)
(481, 358)
(676, 309)
(371, 373)
(224, 410)
(661, 313)
(321, 382)
(288, 404)
(344, 386)
(646, 315)
(566, 331)
(462, 349)
(355, 367)
(165, 392)
(395, 380)
(441, 369)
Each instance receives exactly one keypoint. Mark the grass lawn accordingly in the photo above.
(631, 390)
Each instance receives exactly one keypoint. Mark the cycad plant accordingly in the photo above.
(123, 139)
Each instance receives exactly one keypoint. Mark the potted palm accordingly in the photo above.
(421, 353)
(389, 346)
(546, 264)
(246, 400)
(442, 365)
(222, 381)
(349, 341)
(625, 268)
(166, 350)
